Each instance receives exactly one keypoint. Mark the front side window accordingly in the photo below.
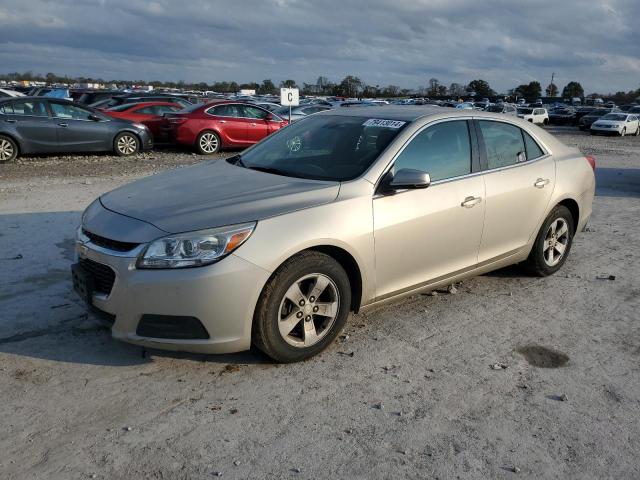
(25, 107)
(443, 151)
(503, 143)
(253, 112)
(72, 112)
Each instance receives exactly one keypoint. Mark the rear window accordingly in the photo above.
(25, 107)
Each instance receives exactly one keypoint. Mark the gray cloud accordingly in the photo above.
(404, 42)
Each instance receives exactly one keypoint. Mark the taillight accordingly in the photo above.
(592, 161)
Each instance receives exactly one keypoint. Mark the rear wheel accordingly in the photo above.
(126, 144)
(208, 143)
(8, 149)
(545, 122)
(553, 243)
(303, 308)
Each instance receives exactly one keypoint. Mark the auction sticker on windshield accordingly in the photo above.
(377, 122)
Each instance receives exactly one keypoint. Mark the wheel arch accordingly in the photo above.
(574, 208)
(346, 261)
(15, 140)
(207, 129)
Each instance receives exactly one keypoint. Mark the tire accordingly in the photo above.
(8, 149)
(623, 132)
(546, 258)
(285, 326)
(637, 134)
(208, 143)
(126, 144)
(545, 122)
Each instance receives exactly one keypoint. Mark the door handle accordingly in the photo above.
(223, 121)
(470, 202)
(541, 182)
(10, 120)
(252, 124)
(64, 125)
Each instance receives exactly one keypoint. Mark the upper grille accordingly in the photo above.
(109, 243)
(103, 276)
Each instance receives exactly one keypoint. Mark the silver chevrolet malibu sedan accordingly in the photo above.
(334, 214)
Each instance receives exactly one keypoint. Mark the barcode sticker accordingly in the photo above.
(377, 122)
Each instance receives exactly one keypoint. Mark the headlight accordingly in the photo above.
(140, 126)
(194, 249)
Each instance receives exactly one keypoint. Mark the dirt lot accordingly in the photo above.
(409, 393)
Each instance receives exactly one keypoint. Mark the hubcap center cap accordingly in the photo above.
(308, 309)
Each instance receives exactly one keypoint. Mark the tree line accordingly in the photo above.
(349, 86)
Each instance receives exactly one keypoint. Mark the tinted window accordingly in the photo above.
(25, 107)
(533, 149)
(253, 112)
(226, 111)
(146, 111)
(443, 151)
(63, 110)
(503, 143)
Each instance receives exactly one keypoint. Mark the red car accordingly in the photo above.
(150, 114)
(213, 126)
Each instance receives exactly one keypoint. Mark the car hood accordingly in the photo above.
(215, 194)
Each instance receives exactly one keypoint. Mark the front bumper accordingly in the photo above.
(600, 129)
(222, 296)
(146, 139)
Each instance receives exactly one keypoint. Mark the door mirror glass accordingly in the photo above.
(408, 178)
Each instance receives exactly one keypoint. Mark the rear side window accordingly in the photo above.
(533, 149)
(503, 143)
(253, 112)
(24, 107)
(443, 151)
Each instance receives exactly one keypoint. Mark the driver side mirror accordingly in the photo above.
(94, 117)
(406, 179)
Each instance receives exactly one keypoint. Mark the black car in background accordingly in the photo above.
(115, 100)
(36, 125)
(586, 121)
(562, 116)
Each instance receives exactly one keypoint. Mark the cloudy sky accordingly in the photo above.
(401, 42)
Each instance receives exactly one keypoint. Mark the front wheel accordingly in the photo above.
(208, 143)
(8, 149)
(637, 134)
(623, 132)
(303, 308)
(126, 144)
(553, 243)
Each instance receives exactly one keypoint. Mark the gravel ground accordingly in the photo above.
(408, 392)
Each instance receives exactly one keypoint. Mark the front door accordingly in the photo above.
(258, 126)
(230, 124)
(424, 235)
(519, 181)
(77, 132)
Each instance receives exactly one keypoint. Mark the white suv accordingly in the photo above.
(538, 116)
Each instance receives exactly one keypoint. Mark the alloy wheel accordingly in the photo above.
(209, 143)
(6, 150)
(308, 310)
(556, 242)
(127, 145)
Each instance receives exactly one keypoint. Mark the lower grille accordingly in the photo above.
(102, 275)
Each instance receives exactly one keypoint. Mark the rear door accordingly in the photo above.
(77, 132)
(519, 179)
(32, 124)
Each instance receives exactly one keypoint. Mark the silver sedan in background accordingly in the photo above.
(336, 213)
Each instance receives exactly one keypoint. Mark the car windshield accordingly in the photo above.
(525, 111)
(615, 116)
(325, 147)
